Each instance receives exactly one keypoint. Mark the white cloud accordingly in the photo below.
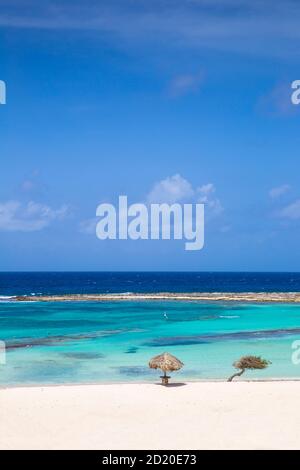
(184, 84)
(292, 211)
(32, 184)
(274, 193)
(30, 217)
(177, 189)
(277, 101)
(88, 226)
(172, 189)
(225, 228)
(207, 196)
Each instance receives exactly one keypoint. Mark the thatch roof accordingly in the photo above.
(166, 362)
(251, 362)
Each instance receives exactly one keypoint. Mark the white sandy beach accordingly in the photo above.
(237, 415)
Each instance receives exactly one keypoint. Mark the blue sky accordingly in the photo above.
(129, 97)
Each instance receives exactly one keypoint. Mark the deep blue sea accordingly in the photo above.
(113, 282)
(85, 342)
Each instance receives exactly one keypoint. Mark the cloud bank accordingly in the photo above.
(30, 217)
(247, 26)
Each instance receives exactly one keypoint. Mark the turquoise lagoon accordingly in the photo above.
(92, 342)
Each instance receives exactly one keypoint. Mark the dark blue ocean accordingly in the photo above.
(84, 342)
(114, 282)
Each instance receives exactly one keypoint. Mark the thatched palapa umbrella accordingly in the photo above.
(167, 363)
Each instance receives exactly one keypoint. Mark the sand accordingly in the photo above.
(257, 297)
(208, 415)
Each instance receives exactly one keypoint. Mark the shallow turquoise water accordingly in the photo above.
(77, 342)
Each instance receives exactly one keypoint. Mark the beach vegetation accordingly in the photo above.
(248, 363)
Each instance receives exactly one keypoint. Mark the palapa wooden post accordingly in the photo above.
(165, 379)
